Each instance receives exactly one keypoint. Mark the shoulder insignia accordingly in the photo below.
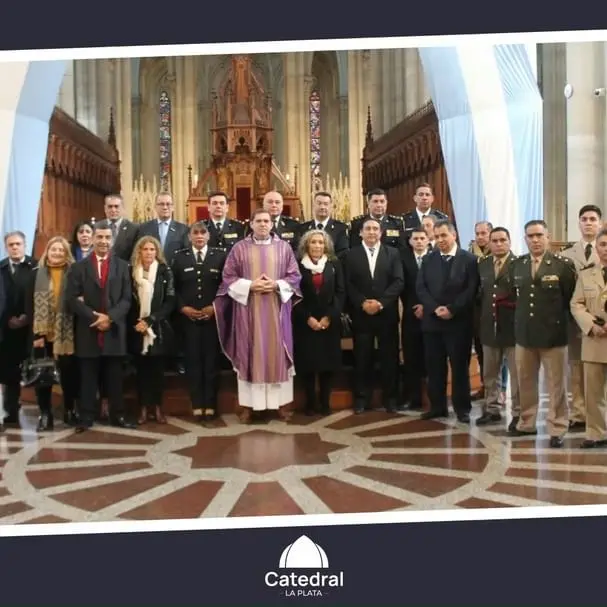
(588, 267)
(357, 218)
(184, 250)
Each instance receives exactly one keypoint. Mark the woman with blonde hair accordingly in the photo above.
(53, 329)
(151, 340)
(317, 319)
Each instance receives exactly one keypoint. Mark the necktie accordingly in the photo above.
(446, 258)
(498, 266)
(199, 258)
(114, 228)
(371, 251)
(218, 226)
(319, 226)
(588, 251)
(163, 232)
(419, 261)
(534, 266)
(14, 267)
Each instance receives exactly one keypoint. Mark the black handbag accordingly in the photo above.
(39, 372)
(346, 326)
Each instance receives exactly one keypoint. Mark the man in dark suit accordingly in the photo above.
(15, 272)
(392, 230)
(412, 337)
(198, 273)
(496, 305)
(447, 286)
(285, 227)
(322, 207)
(99, 295)
(423, 199)
(223, 231)
(124, 232)
(172, 235)
(374, 281)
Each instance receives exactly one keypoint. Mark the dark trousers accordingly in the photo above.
(325, 383)
(414, 371)
(12, 353)
(201, 349)
(70, 386)
(441, 348)
(91, 370)
(478, 348)
(386, 333)
(150, 380)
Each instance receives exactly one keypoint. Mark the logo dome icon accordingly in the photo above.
(303, 554)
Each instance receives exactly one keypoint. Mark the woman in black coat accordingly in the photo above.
(151, 338)
(316, 318)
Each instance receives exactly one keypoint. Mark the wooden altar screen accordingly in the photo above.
(80, 169)
(404, 157)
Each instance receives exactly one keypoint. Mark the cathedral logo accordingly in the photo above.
(303, 571)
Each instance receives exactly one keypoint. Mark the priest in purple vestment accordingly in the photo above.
(253, 313)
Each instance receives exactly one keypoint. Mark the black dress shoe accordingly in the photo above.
(434, 414)
(593, 444)
(488, 418)
(556, 442)
(463, 418)
(512, 425)
(83, 426)
(120, 422)
(45, 422)
(71, 418)
(517, 432)
(577, 426)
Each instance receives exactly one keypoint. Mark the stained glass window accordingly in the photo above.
(315, 135)
(164, 115)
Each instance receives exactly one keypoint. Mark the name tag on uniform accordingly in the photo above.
(230, 235)
(214, 270)
(550, 278)
(188, 269)
(287, 234)
(392, 232)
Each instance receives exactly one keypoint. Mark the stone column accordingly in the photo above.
(178, 139)
(585, 130)
(357, 115)
(188, 107)
(411, 81)
(136, 124)
(124, 129)
(292, 77)
(67, 93)
(344, 135)
(205, 141)
(399, 85)
(554, 74)
(104, 74)
(423, 93)
(387, 89)
(85, 84)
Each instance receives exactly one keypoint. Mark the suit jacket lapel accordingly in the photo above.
(380, 262)
(92, 267)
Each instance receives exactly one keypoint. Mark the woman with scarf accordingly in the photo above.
(151, 340)
(316, 318)
(53, 329)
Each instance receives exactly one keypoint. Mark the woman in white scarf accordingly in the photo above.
(152, 340)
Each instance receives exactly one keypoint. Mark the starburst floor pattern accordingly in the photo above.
(342, 463)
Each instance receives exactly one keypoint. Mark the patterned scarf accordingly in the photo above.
(50, 318)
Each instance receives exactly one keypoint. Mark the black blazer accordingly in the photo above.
(232, 232)
(385, 286)
(177, 236)
(115, 300)
(337, 230)
(453, 284)
(162, 306)
(409, 296)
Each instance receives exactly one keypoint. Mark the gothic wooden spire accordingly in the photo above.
(111, 139)
(369, 137)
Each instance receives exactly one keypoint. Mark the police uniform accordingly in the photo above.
(196, 285)
(497, 302)
(393, 232)
(337, 230)
(411, 219)
(541, 329)
(224, 234)
(577, 416)
(589, 307)
(285, 227)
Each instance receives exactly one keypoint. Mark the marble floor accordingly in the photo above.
(342, 463)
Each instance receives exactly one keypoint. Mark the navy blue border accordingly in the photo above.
(532, 562)
(473, 563)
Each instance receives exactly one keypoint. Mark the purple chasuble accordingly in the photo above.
(257, 338)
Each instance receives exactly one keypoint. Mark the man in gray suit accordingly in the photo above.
(124, 232)
(173, 235)
(99, 295)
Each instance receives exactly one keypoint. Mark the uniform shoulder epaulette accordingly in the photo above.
(395, 217)
(482, 258)
(523, 257)
(588, 267)
(184, 250)
(237, 220)
(222, 249)
(358, 217)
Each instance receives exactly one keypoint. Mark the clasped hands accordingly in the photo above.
(598, 331)
(371, 307)
(203, 314)
(319, 325)
(443, 312)
(102, 322)
(264, 284)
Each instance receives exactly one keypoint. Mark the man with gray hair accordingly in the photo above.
(124, 232)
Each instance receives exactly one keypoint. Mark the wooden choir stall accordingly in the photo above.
(80, 169)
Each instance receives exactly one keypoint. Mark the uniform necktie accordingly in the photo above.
(588, 251)
(319, 226)
(498, 267)
(218, 226)
(163, 232)
(199, 257)
(534, 266)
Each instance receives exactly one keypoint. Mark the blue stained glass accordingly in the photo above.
(314, 109)
(164, 115)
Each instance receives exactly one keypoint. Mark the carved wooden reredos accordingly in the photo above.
(242, 140)
(404, 157)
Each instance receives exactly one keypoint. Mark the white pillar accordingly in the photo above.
(67, 94)
(124, 129)
(104, 71)
(585, 115)
(357, 120)
(387, 81)
(85, 86)
(411, 82)
(292, 131)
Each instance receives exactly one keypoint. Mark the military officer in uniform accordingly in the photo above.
(392, 231)
(285, 227)
(544, 284)
(423, 199)
(322, 207)
(497, 302)
(583, 254)
(589, 309)
(223, 231)
(198, 272)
